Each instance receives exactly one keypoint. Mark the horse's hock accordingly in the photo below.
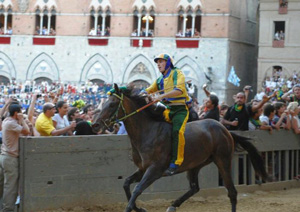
(77, 171)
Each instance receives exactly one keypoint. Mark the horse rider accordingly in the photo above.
(173, 94)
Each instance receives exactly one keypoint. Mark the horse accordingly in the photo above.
(150, 136)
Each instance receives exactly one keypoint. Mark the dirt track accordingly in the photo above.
(274, 201)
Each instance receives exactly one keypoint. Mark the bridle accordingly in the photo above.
(114, 118)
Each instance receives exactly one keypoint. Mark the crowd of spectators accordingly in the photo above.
(98, 31)
(188, 33)
(143, 32)
(8, 31)
(44, 31)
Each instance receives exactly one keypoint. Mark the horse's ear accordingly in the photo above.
(117, 90)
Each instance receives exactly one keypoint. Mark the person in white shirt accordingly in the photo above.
(60, 119)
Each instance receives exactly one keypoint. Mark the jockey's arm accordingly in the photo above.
(170, 94)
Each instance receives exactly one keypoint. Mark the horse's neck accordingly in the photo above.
(137, 125)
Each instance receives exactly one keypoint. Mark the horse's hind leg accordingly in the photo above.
(224, 166)
(134, 178)
(192, 176)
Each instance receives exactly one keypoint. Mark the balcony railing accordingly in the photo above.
(5, 39)
(98, 40)
(43, 40)
(141, 41)
(278, 43)
(182, 42)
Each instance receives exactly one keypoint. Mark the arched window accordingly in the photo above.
(189, 22)
(100, 22)
(6, 21)
(45, 23)
(143, 22)
(4, 80)
(43, 79)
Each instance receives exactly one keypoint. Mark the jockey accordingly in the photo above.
(174, 95)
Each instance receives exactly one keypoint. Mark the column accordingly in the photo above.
(147, 25)
(139, 25)
(184, 25)
(41, 23)
(5, 23)
(49, 23)
(96, 23)
(193, 24)
(103, 24)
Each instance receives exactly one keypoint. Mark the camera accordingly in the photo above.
(39, 96)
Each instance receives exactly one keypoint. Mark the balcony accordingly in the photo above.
(43, 40)
(187, 42)
(283, 10)
(4, 39)
(98, 41)
(278, 43)
(141, 42)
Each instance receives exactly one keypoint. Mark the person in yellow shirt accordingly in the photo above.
(174, 95)
(44, 124)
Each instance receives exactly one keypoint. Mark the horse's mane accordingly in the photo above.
(155, 112)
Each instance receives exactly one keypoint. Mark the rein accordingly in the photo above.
(113, 119)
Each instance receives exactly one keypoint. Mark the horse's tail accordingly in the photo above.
(255, 157)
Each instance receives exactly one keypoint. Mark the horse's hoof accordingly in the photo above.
(171, 209)
(143, 210)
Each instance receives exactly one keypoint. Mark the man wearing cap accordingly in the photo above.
(173, 94)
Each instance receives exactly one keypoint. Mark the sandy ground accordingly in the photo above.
(273, 201)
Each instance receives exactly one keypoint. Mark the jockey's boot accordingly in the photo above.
(171, 170)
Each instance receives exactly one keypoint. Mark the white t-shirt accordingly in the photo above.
(61, 122)
(264, 119)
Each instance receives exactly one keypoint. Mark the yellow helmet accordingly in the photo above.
(164, 57)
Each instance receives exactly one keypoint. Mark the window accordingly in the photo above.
(143, 22)
(6, 21)
(45, 23)
(100, 22)
(279, 30)
(189, 23)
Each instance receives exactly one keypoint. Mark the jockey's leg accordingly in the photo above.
(179, 119)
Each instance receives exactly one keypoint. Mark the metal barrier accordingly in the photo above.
(89, 170)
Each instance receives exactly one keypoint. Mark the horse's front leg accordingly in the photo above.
(153, 173)
(134, 178)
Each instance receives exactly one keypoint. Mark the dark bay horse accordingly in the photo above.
(206, 141)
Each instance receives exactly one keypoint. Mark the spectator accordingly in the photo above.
(268, 115)
(87, 113)
(293, 95)
(73, 114)
(212, 111)
(13, 126)
(93, 32)
(52, 32)
(44, 123)
(60, 120)
(9, 31)
(295, 121)
(281, 118)
(37, 30)
(237, 116)
(193, 116)
(277, 36)
(223, 110)
(122, 130)
(179, 34)
(254, 122)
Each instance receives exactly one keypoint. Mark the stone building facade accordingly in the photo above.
(218, 34)
(275, 52)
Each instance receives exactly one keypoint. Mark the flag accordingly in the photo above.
(233, 78)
